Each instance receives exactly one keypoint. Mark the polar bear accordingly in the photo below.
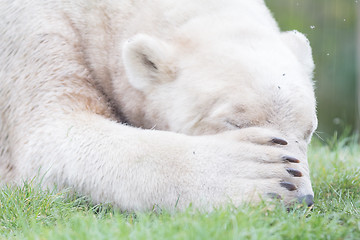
(160, 102)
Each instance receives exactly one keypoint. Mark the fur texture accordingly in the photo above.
(161, 102)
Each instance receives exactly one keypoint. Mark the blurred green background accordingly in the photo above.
(330, 25)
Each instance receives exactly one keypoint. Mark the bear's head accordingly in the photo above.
(204, 86)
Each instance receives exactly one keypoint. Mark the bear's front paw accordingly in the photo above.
(287, 179)
(251, 164)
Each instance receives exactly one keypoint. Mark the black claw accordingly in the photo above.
(294, 172)
(274, 196)
(291, 159)
(279, 141)
(308, 199)
(288, 186)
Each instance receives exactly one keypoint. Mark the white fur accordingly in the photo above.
(71, 70)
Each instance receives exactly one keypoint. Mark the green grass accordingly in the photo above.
(31, 213)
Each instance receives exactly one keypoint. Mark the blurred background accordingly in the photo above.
(330, 25)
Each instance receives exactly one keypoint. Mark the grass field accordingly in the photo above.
(30, 213)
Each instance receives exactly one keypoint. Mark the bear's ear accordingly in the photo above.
(300, 46)
(148, 61)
